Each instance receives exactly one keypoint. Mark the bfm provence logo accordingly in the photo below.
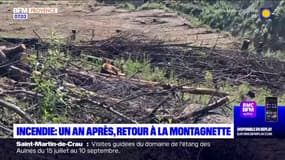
(23, 13)
(248, 109)
(265, 13)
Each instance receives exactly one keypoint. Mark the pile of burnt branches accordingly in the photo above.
(187, 61)
(192, 62)
(93, 97)
(146, 100)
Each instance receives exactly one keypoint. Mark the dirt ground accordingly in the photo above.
(108, 21)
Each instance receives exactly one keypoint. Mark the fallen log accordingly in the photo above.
(6, 129)
(16, 109)
(19, 71)
(11, 56)
(26, 41)
(2, 56)
(211, 106)
(29, 93)
(13, 51)
(16, 73)
(192, 113)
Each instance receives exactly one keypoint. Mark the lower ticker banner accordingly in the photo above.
(124, 131)
(249, 121)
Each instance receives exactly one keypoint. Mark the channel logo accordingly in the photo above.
(248, 109)
(22, 13)
(265, 13)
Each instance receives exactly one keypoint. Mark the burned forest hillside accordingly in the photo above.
(95, 62)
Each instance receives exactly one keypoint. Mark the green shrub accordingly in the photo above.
(142, 69)
(129, 6)
(44, 71)
(152, 5)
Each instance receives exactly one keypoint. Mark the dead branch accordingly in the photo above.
(120, 114)
(24, 84)
(137, 96)
(149, 84)
(39, 37)
(204, 91)
(30, 93)
(6, 129)
(76, 91)
(109, 108)
(19, 70)
(156, 107)
(16, 109)
(212, 106)
(92, 95)
(192, 113)
(8, 64)
(10, 52)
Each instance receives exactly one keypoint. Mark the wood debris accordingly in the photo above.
(109, 96)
